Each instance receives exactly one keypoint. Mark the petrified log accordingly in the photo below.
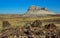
(6, 24)
(36, 23)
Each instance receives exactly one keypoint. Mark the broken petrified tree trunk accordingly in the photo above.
(5, 24)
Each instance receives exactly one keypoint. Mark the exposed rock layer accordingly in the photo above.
(34, 10)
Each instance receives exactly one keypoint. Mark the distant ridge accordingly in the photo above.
(35, 10)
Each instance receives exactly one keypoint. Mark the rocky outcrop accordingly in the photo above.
(35, 10)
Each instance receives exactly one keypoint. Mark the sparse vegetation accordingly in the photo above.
(20, 26)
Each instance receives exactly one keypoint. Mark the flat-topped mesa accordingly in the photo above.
(35, 10)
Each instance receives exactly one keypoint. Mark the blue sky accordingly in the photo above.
(21, 6)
